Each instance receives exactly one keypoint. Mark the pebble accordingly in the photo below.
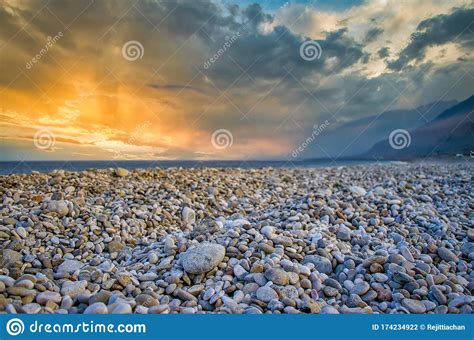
(321, 264)
(188, 215)
(277, 276)
(357, 191)
(203, 258)
(58, 207)
(447, 255)
(266, 294)
(121, 172)
(31, 308)
(414, 306)
(120, 308)
(97, 308)
(69, 266)
(392, 238)
(344, 233)
(73, 289)
(44, 297)
(360, 288)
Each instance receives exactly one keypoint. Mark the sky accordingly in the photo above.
(217, 79)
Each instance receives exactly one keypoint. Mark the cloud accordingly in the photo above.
(372, 34)
(176, 87)
(167, 104)
(383, 52)
(456, 27)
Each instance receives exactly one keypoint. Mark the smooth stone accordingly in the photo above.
(459, 301)
(414, 306)
(73, 288)
(277, 276)
(121, 308)
(69, 266)
(355, 300)
(357, 191)
(188, 215)
(360, 288)
(97, 308)
(329, 310)
(21, 232)
(203, 258)
(114, 247)
(20, 291)
(447, 255)
(146, 300)
(321, 264)
(25, 284)
(439, 295)
(59, 207)
(240, 272)
(379, 277)
(44, 297)
(268, 232)
(101, 296)
(31, 308)
(266, 294)
(380, 259)
(407, 254)
(330, 291)
(7, 280)
(124, 278)
(121, 172)
(344, 233)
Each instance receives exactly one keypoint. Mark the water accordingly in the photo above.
(26, 167)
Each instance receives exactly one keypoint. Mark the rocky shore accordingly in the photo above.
(365, 239)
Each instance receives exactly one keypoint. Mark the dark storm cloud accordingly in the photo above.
(189, 17)
(275, 54)
(383, 52)
(372, 34)
(254, 15)
(456, 27)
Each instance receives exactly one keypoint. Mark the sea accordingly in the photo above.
(25, 167)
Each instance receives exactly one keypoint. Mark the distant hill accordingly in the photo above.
(450, 133)
(358, 136)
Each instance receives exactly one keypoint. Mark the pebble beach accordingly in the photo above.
(391, 238)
